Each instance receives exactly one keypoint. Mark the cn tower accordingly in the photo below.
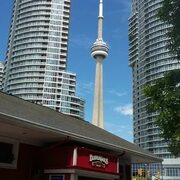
(99, 52)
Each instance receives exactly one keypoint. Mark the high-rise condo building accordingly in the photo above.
(149, 59)
(1, 74)
(36, 59)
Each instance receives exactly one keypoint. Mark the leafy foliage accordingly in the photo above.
(170, 13)
(164, 98)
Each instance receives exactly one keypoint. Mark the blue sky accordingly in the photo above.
(117, 74)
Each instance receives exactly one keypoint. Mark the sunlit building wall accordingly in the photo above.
(1, 74)
(36, 59)
(150, 59)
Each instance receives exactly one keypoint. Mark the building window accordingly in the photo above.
(8, 153)
(56, 177)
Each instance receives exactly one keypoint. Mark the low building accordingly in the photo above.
(38, 143)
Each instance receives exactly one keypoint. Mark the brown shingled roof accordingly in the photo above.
(30, 114)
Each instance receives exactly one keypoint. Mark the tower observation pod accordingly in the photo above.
(99, 52)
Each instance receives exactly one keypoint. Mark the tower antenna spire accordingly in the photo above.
(100, 21)
(99, 52)
(101, 8)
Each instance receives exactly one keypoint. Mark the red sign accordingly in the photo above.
(96, 161)
(70, 157)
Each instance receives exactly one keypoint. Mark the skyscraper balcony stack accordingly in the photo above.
(149, 59)
(1, 74)
(36, 60)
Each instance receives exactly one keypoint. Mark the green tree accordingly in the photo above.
(170, 13)
(164, 98)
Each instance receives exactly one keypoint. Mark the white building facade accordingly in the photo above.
(149, 59)
(1, 74)
(36, 60)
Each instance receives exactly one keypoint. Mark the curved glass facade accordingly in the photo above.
(149, 59)
(36, 60)
(1, 74)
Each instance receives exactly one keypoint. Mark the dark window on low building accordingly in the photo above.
(6, 153)
(56, 177)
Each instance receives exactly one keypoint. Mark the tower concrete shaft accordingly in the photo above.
(99, 52)
(98, 111)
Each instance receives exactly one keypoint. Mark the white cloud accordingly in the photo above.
(85, 88)
(116, 93)
(116, 33)
(123, 12)
(130, 132)
(126, 110)
(114, 128)
(82, 41)
(120, 130)
(108, 101)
